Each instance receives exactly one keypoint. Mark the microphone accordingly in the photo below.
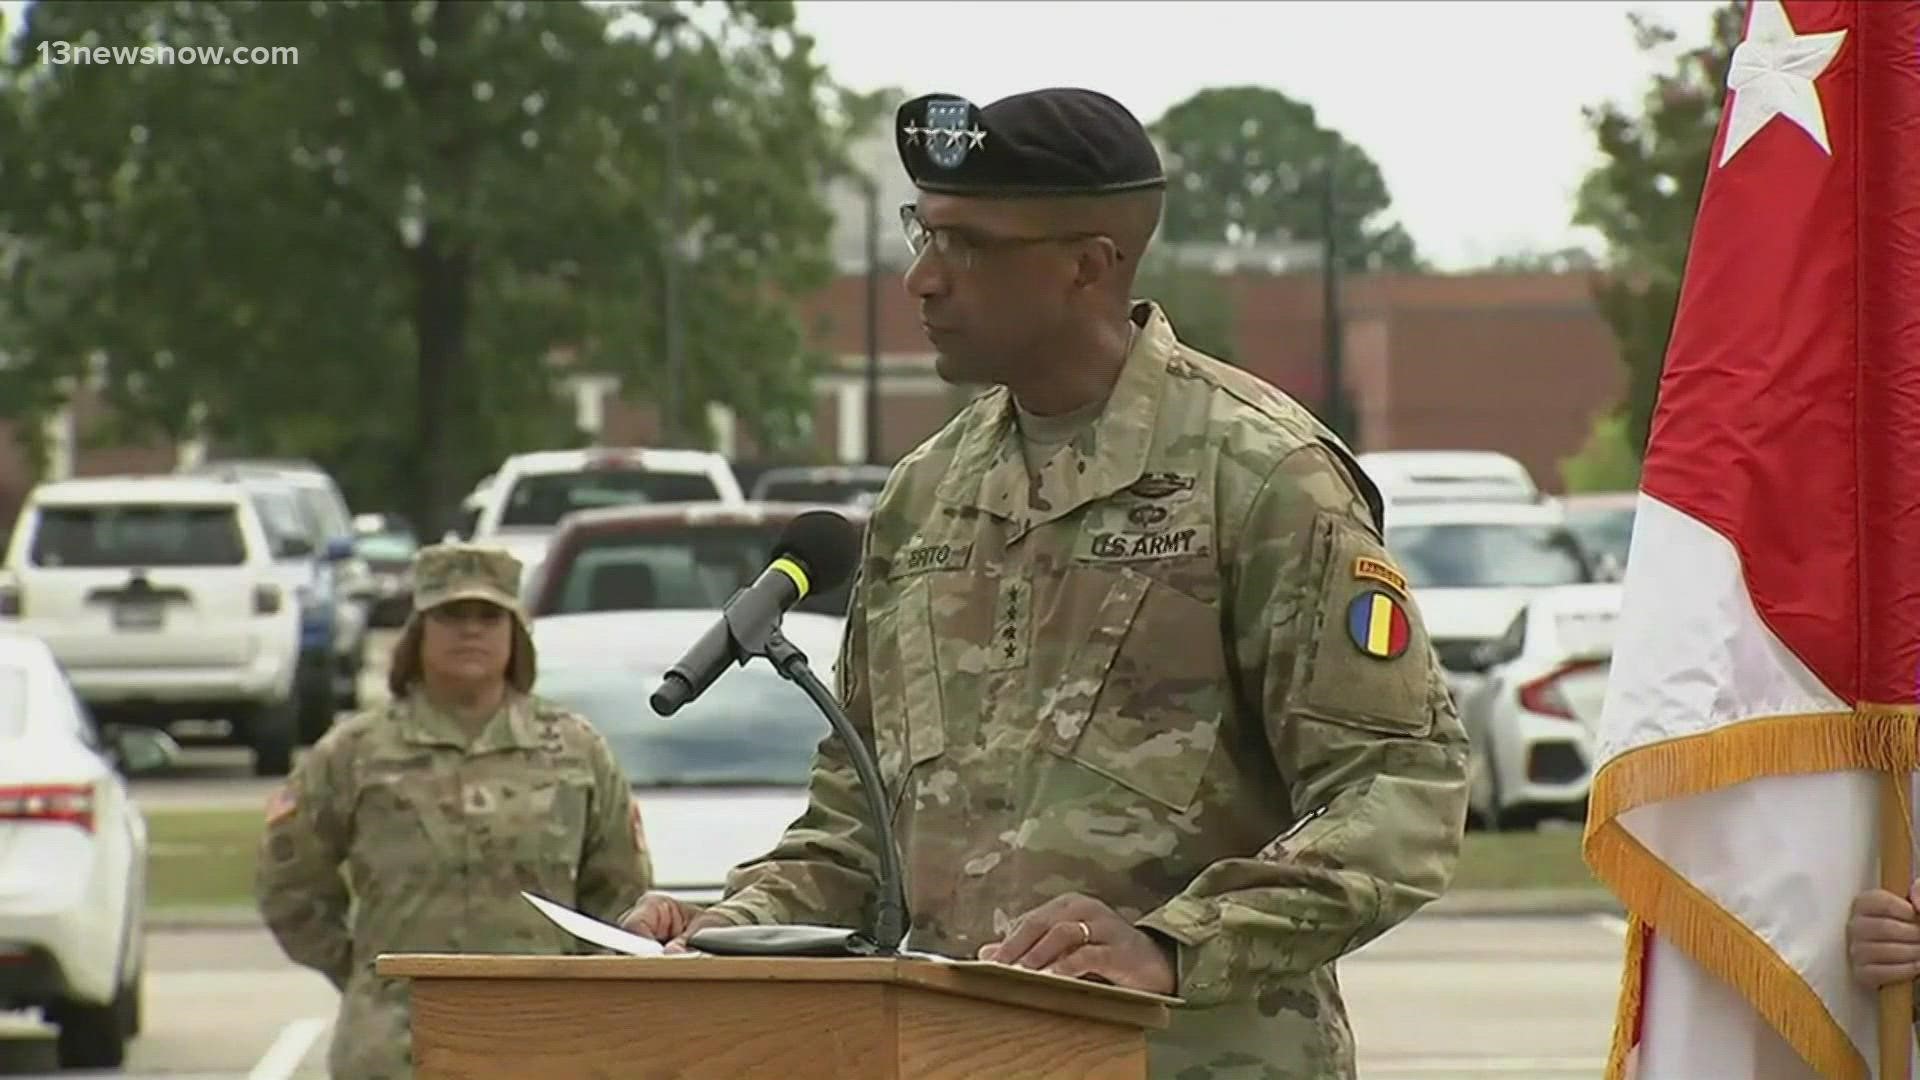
(816, 551)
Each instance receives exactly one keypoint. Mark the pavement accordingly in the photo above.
(1440, 998)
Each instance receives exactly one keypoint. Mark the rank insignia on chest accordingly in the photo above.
(1378, 625)
(479, 801)
(1367, 568)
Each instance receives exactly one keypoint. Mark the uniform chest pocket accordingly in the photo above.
(398, 823)
(543, 822)
(1141, 701)
(909, 720)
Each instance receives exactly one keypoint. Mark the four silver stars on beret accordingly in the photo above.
(974, 136)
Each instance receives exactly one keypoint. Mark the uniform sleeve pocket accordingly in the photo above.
(553, 827)
(908, 721)
(1363, 656)
(1141, 702)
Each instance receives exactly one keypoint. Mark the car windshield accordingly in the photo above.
(541, 500)
(13, 702)
(323, 513)
(139, 535)
(750, 728)
(386, 547)
(1604, 531)
(1488, 556)
(678, 567)
(280, 514)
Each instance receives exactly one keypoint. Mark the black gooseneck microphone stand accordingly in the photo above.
(890, 910)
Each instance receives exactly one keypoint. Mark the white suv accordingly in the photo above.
(161, 600)
(521, 508)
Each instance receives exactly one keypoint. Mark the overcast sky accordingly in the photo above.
(1470, 107)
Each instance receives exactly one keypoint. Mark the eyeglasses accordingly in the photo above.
(961, 248)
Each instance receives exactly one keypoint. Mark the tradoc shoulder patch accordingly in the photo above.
(281, 804)
(1378, 625)
(1367, 568)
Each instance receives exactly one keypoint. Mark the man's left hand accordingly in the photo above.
(1075, 936)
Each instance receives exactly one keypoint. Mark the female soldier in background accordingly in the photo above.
(441, 806)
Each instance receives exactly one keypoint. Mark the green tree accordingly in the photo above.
(1605, 462)
(1643, 197)
(1248, 165)
(369, 256)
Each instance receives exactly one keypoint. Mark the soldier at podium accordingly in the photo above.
(440, 807)
(1151, 700)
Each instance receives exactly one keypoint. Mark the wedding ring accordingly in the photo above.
(1086, 933)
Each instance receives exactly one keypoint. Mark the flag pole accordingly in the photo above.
(1896, 876)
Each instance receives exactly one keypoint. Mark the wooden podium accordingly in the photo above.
(698, 1017)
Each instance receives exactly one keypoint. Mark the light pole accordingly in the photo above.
(1335, 397)
(870, 188)
(670, 415)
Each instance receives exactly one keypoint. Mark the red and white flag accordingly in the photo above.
(1764, 679)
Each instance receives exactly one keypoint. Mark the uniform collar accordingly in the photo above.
(989, 472)
(511, 728)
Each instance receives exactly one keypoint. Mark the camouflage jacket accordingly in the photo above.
(1178, 673)
(437, 835)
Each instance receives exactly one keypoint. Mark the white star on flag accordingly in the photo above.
(1772, 75)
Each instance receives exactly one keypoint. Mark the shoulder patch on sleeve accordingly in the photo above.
(1378, 625)
(281, 804)
(1364, 659)
(1368, 568)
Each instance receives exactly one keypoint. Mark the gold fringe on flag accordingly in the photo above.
(1878, 738)
(1626, 1019)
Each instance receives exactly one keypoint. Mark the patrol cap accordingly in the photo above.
(1057, 141)
(444, 573)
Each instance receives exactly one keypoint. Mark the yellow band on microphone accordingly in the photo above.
(794, 573)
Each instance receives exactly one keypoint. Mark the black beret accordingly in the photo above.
(1060, 141)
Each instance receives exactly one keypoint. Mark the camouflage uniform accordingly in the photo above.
(438, 832)
(1177, 673)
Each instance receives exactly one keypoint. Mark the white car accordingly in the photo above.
(1472, 566)
(73, 857)
(1420, 477)
(528, 495)
(1531, 719)
(720, 780)
(160, 597)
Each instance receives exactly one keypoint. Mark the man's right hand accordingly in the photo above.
(1883, 939)
(668, 920)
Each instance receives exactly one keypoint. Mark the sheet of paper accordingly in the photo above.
(593, 930)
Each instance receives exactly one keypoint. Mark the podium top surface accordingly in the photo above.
(967, 978)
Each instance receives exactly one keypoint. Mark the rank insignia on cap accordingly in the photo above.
(947, 133)
(1378, 625)
(1370, 569)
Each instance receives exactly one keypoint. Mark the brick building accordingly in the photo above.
(1519, 363)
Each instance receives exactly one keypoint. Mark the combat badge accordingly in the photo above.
(1378, 625)
(1367, 568)
(1161, 485)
